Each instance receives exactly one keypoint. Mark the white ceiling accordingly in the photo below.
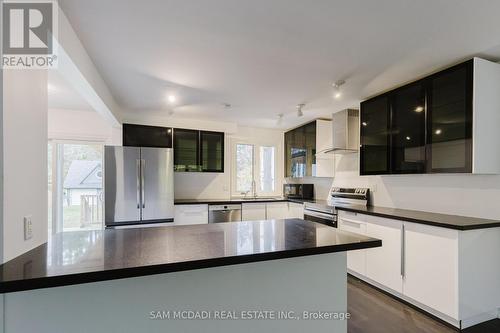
(61, 95)
(265, 56)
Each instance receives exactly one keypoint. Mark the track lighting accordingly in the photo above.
(280, 119)
(299, 110)
(336, 89)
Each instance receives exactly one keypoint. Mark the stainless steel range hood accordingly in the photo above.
(345, 132)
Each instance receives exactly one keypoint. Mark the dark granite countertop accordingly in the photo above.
(236, 201)
(435, 219)
(90, 256)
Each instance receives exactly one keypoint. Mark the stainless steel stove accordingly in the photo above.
(326, 213)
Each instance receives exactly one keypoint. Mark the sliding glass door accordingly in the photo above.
(75, 186)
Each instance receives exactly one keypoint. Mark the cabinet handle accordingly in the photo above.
(143, 167)
(358, 224)
(138, 173)
(403, 246)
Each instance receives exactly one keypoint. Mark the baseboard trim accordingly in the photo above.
(443, 319)
(481, 318)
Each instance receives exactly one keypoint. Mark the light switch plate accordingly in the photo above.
(28, 227)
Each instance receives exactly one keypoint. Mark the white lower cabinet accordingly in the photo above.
(353, 222)
(253, 211)
(191, 214)
(431, 267)
(272, 210)
(277, 210)
(295, 210)
(384, 264)
(416, 261)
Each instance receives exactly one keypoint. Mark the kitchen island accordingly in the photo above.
(274, 275)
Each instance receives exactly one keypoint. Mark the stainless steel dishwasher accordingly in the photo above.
(224, 213)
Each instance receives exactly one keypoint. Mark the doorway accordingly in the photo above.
(75, 186)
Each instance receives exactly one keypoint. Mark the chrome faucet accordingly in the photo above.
(254, 189)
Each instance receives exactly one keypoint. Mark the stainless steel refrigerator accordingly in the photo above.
(138, 185)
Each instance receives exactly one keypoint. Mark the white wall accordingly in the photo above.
(76, 66)
(213, 185)
(468, 195)
(24, 159)
(84, 125)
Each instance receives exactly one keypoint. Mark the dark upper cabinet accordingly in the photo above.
(374, 143)
(449, 116)
(186, 150)
(198, 151)
(212, 151)
(147, 136)
(408, 129)
(300, 151)
(422, 127)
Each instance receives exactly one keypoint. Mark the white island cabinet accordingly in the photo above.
(452, 274)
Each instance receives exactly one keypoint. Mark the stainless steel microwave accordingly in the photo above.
(298, 191)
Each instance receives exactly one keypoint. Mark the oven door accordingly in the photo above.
(323, 218)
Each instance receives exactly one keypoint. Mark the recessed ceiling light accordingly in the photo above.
(172, 98)
(364, 123)
(408, 138)
(438, 131)
(419, 109)
(51, 88)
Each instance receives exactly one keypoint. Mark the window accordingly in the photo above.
(244, 167)
(267, 169)
(254, 168)
(75, 186)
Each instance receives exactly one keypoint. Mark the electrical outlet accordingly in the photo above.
(28, 227)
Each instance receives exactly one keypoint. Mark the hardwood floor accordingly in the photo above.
(375, 312)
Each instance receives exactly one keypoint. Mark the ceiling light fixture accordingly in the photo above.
(51, 87)
(364, 123)
(438, 131)
(299, 109)
(408, 138)
(280, 119)
(172, 98)
(336, 89)
(419, 109)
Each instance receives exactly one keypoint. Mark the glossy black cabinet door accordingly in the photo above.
(212, 151)
(289, 136)
(186, 150)
(375, 140)
(449, 137)
(408, 129)
(146, 136)
(300, 151)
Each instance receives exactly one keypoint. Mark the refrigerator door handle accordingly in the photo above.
(143, 167)
(138, 174)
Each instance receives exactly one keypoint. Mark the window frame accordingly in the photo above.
(256, 168)
(57, 219)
